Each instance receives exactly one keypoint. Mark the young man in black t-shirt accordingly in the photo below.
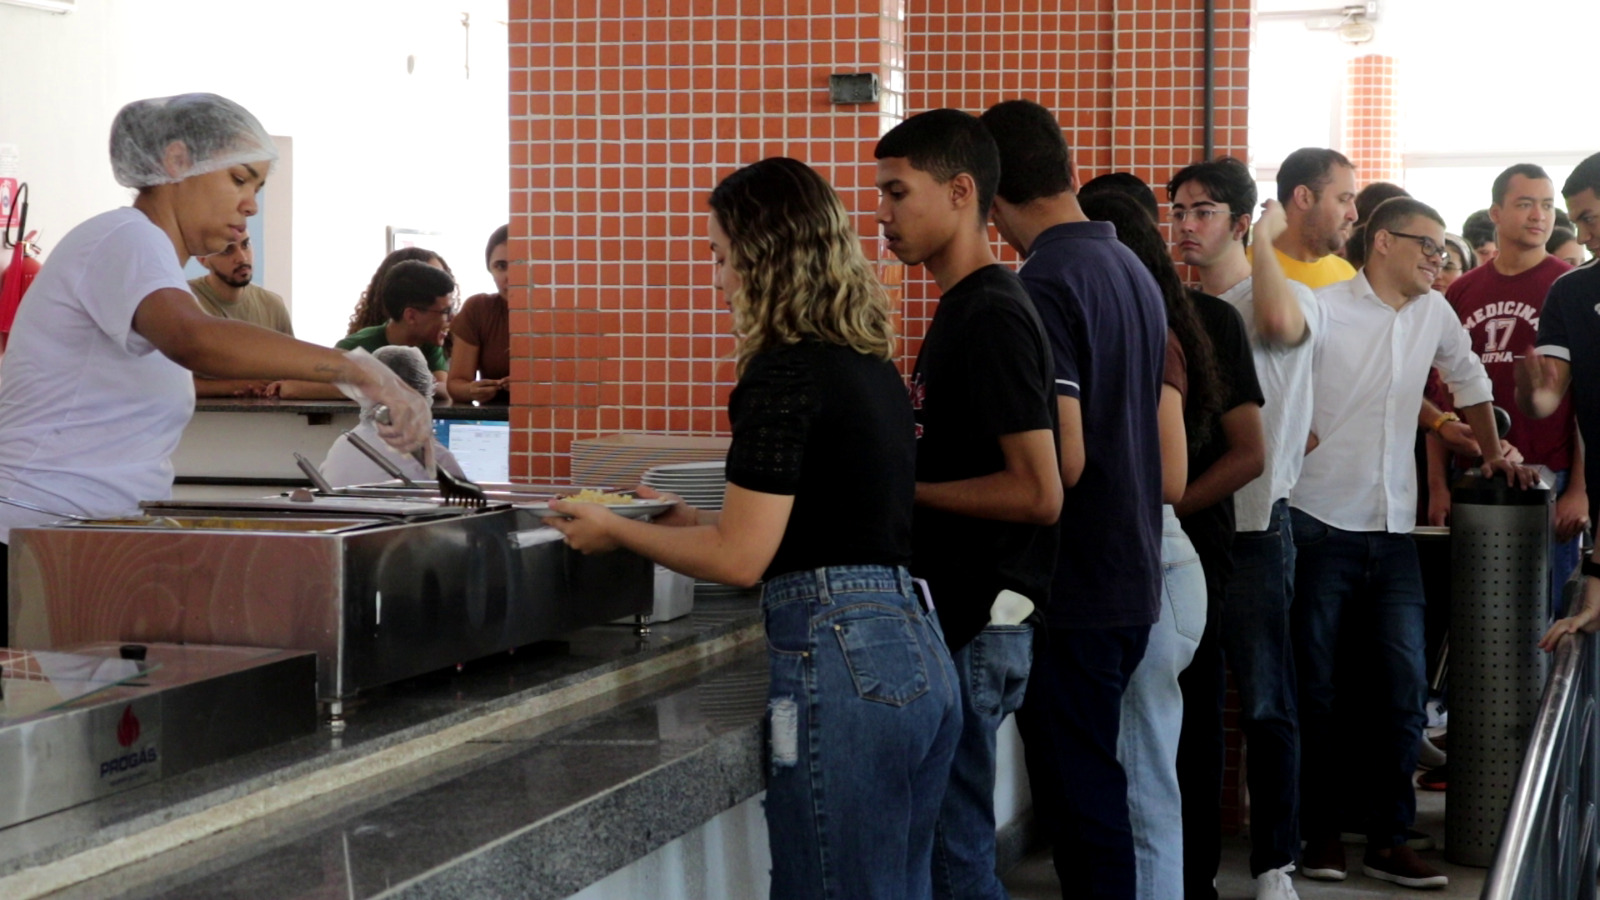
(988, 475)
(1568, 355)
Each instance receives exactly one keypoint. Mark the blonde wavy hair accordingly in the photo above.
(800, 263)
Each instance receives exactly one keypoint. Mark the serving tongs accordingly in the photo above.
(454, 491)
(310, 468)
(383, 462)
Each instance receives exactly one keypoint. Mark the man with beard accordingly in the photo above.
(226, 292)
(1317, 189)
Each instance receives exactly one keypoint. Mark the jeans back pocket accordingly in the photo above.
(1000, 658)
(1186, 597)
(885, 660)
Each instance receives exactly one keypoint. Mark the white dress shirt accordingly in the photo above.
(1369, 369)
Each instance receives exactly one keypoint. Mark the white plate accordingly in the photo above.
(638, 509)
(691, 467)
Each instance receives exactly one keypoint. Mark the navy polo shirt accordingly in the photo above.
(1107, 326)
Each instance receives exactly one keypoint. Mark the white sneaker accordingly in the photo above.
(1438, 716)
(1429, 756)
(1274, 884)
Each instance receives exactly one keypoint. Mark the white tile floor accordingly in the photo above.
(1035, 877)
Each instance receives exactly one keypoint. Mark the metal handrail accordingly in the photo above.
(1550, 847)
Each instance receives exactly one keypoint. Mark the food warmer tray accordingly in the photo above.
(380, 596)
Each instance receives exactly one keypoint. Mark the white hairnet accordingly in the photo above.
(410, 365)
(216, 131)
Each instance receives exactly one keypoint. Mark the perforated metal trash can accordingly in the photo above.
(1500, 557)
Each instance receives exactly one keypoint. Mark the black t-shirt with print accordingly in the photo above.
(984, 371)
(832, 428)
(1211, 529)
(1569, 329)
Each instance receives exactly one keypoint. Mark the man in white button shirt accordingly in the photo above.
(1352, 511)
(1212, 203)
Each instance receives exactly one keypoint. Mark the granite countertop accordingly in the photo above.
(335, 407)
(661, 734)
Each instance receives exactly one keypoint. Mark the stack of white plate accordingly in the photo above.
(620, 460)
(701, 484)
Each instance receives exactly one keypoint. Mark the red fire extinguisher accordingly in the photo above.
(18, 273)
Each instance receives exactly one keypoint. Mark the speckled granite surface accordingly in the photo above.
(524, 758)
(526, 816)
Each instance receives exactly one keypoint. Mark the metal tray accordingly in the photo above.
(318, 505)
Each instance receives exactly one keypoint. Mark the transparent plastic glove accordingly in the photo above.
(410, 420)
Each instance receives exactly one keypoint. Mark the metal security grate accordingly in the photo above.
(1498, 603)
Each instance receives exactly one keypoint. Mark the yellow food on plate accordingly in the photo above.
(590, 495)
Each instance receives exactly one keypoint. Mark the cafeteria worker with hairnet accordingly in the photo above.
(95, 385)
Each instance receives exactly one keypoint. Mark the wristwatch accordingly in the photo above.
(1443, 418)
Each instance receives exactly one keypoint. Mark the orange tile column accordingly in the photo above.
(1372, 119)
(624, 115)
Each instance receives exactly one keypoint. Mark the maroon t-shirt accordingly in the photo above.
(1501, 312)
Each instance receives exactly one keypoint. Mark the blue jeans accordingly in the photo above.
(993, 673)
(1152, 719)
(1256, 639)
(1069, 721)
(1358, 642)
(864, 717)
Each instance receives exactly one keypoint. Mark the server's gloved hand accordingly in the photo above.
(410, 419)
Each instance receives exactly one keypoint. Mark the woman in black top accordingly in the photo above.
(864, 715)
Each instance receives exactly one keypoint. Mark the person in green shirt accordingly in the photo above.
(419, 300)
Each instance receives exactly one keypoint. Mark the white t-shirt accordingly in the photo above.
(346, 465)
(90, 411)
(1285, 376)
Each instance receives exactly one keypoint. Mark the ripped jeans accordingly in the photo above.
(864, 716)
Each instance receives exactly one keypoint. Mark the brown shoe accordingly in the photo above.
(1401, 865)
(1323, 859)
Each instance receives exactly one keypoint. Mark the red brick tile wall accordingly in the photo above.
(626, 112)
(1124, 77)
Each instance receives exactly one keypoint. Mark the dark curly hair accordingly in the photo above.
(369, 310)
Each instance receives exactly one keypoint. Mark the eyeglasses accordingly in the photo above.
(1430, 249)
(446, 311)
(1201, 215)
